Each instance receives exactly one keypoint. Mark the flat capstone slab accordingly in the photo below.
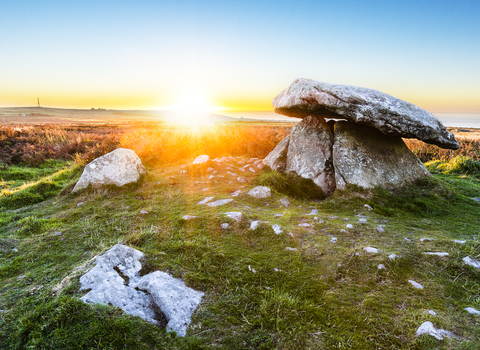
(390, 115)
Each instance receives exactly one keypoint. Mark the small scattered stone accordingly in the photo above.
(431, 312)
(428, 328)
(343, 231)
(22, 277)
(241, 179)
(318, 220)
(477, 199)
(128, 207)
(206, 200)
(254, 225)
(333, 239)
(393, 256)
(304, 225)
(313, 212)
(291, 234)
(201, 159)
(260, 166)
(371, 250)
(209, 170)
(211, 177)
(472, 310)
(277, 229)
(380, 267)
(80, 204)
(333, 217)
(235, 215)
(260, 192)
(251, 269)
(189, 217)
(346, 219)
(436, 253)
(219, 202)
(427, 239)
(349, 226)
(471, 262)
(407, 239)
(224, 226)
(362, 220)
(285, 202)
(415, 284)
(368, 207)
(291, 249)
(58, 233)
(278, 215)
(252, 170)
(459, 242)
(15, 249)
(380, 229)
(275, 269)
(183, 172)
(236, 193)
(143, 211)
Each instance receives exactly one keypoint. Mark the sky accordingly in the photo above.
(238, 55)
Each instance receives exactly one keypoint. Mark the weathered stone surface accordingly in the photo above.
(310, 153)
(114, 280)
(390, 115)
(260, 192)
(364, 156)
(235, 215)
(175, 299)
(118, 168)
(277, 159)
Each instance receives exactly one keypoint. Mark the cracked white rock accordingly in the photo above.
(235, 215)
(415, 284)
(428, 328)
(254, 225)
(260, 192)
(115, 276)
(219, 202)
(118, 168)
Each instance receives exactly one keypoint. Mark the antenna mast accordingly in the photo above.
(38, 101)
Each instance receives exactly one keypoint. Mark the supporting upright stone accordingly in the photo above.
(364, 156)
(310, 153)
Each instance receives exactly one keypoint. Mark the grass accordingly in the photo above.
(258, 294)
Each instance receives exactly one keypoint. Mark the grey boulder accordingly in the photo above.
(364, 156)
(277, 159)
(310, 153)
(390, 115)
(118, 168)
(115, 280)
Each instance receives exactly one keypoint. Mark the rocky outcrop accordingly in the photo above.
(390, 115)
(364, 156)
(310, 153)
(118, 168)
(115, 280)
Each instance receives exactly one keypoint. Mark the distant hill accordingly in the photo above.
(64, 115)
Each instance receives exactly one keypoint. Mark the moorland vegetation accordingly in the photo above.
(324, 292)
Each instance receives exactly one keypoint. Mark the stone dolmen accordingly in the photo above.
(361, 145)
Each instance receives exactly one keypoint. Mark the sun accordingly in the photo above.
(192, 109)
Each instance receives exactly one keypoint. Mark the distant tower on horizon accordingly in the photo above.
(38, 101)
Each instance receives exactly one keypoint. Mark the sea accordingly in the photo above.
(456, 120)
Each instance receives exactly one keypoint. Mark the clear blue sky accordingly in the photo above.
(239, 54)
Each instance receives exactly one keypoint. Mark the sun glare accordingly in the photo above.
(192, 109)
